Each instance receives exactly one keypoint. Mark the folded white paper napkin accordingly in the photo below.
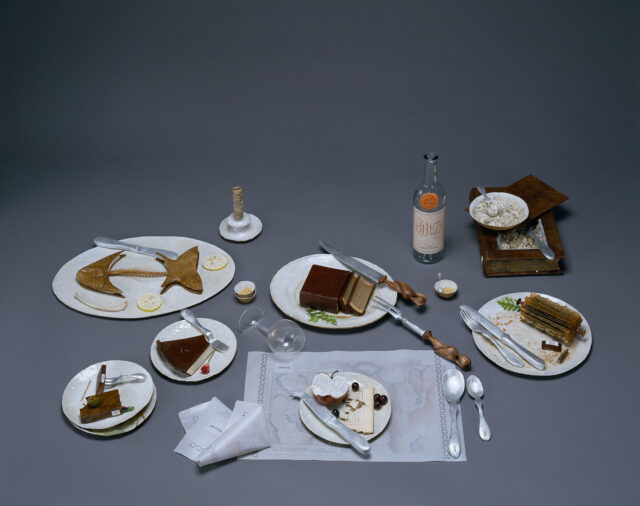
(215, 433)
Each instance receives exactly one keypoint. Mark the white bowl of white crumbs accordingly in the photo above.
(512, 211)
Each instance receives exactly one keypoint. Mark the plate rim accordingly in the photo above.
(530, 371)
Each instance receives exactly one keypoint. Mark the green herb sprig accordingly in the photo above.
(509, 304)
(316, 315)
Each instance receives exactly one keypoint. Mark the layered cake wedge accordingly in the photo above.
(186, 355)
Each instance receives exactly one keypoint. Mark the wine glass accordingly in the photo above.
(285, 338)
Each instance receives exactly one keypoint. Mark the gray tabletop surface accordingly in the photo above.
(137, 118)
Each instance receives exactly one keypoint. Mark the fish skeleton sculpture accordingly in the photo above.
(181, 271)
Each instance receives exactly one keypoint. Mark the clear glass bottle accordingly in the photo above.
(429, 202)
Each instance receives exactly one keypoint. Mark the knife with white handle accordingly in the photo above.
(106, 242)
(358, 442)
(506, 339)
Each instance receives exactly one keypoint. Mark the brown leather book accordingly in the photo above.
(186, 355)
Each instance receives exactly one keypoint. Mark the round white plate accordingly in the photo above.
(174, 299)
(381, 416)
(127, 426)
(180, 330)
(531, 339)
(136, 394)
(286, 285)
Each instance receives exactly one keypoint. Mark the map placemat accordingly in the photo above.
(419, 426)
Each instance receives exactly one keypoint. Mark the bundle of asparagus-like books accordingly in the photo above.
(552, 318)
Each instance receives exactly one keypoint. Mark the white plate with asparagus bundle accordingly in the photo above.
(560, 354)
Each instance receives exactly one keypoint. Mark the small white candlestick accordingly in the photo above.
(240, 226)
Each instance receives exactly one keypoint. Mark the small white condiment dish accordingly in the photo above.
(445, 288)
(520, 203)
(245, 291)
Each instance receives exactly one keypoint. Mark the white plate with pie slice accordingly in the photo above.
(65, 286)
(531, 338)
(127, 426)
(381, 416)
(180, 330)
(287, 282)
(83, 385)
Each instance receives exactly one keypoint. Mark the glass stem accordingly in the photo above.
(263, 327)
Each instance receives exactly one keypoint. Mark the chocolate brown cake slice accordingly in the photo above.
(186, 355)
(323, 288)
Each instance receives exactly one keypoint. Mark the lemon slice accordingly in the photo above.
(214, 262)
(149, 302)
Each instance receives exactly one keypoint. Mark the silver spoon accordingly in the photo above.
(492, 209)
(453, 388)
(474, 387)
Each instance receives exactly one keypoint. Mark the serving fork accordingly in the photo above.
(216, 344)
(114, 380)
(509, 356)
(445, 351)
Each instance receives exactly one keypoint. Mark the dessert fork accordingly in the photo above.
(216, 344)
(114, 380)
(508, 355)
(445, 351)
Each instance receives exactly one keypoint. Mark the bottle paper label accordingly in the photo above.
(428, 231)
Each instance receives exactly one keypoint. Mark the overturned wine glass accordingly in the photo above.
(285, 338)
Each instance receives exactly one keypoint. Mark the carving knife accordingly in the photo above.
(505, 338)
(106, 242)
(357, 441)
(377, 277)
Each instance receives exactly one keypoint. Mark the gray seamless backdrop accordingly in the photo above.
(136, 118)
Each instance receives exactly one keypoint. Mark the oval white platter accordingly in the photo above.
(175, 298)
(531, 339)
(127, 426)
(287, 282)
(136, 394)
(381, 416)
(182, 329)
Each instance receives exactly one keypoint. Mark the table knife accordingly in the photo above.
(506, 339)
(403, 289)
(106, 242)
(357, 441)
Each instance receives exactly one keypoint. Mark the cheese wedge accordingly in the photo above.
(358, 410)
